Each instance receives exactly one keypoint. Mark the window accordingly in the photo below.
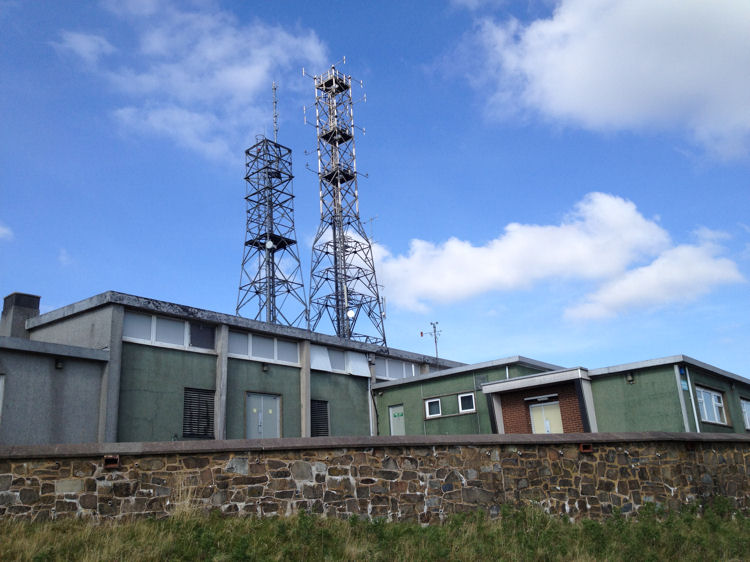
(711, 405)
(432, 408)
(287, 351)
(337, 359)
(137, 326)
(263, 347)
(466, 403)
(744, 404)
(198, 414)
(170, 331)
(202, 335)
(159, 330)
(319, 426)
(239, 343)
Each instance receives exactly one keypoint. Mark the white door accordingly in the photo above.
(396, 415)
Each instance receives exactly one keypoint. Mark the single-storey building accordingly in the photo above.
(117, 367)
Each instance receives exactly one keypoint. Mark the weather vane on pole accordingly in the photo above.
(435, 334)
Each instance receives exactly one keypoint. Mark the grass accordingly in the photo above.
(718, 533)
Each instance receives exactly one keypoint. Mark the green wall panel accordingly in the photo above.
(412, 396)
(152, 383)
(651, 403)
(348, 403)
(245, 376)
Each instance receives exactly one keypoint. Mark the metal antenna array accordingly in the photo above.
(271, 288)
(342, 278)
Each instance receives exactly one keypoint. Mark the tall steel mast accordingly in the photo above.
(271, 288)
(342, 281)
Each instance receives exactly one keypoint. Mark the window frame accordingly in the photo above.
(186, 334)
(473, 403)
(745, 409)
(427, 403)
(700, 391)
(248, 353)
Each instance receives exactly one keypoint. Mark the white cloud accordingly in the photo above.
(88, 46)
(604, 240)
(201, 78)
(5, 232)
(679, 275)
(64, 258)
(630, 65)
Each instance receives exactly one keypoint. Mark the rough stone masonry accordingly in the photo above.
(420, 479)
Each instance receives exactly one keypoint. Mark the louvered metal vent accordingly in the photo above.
(319, 418)
(198, 414)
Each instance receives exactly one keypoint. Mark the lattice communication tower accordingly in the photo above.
(271, 288)
(343, 285)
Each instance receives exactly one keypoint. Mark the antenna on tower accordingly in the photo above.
(271, 288)
(275, 116)
(342, 277)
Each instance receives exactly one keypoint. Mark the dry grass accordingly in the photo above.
(524, 534)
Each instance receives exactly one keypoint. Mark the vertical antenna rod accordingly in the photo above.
(271, 288)
(342, 277)
(275, 116)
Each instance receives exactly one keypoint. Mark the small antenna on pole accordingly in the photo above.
(435, 334)
(275, 116)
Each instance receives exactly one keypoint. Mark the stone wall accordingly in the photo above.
(399, 478)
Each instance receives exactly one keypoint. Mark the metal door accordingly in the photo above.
(263, 416)
(396, 415)
(545, 418)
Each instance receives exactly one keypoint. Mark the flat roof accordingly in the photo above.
(534, 380)
(514, 360)
(670, 360)
(189, 312)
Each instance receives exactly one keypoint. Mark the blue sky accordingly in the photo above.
(563, 180)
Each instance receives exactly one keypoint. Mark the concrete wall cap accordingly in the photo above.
(259, 445)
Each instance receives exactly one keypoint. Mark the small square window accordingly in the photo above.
(287, 351)
(263, 347)
(711, 405)
(137, 326)
(170, 331)
(238, 343)
(202, 335)
(466, 403)
(432, 408)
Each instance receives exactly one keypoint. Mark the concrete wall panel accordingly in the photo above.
(45, 405)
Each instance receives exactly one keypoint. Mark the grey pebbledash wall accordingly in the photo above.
(399, 478)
